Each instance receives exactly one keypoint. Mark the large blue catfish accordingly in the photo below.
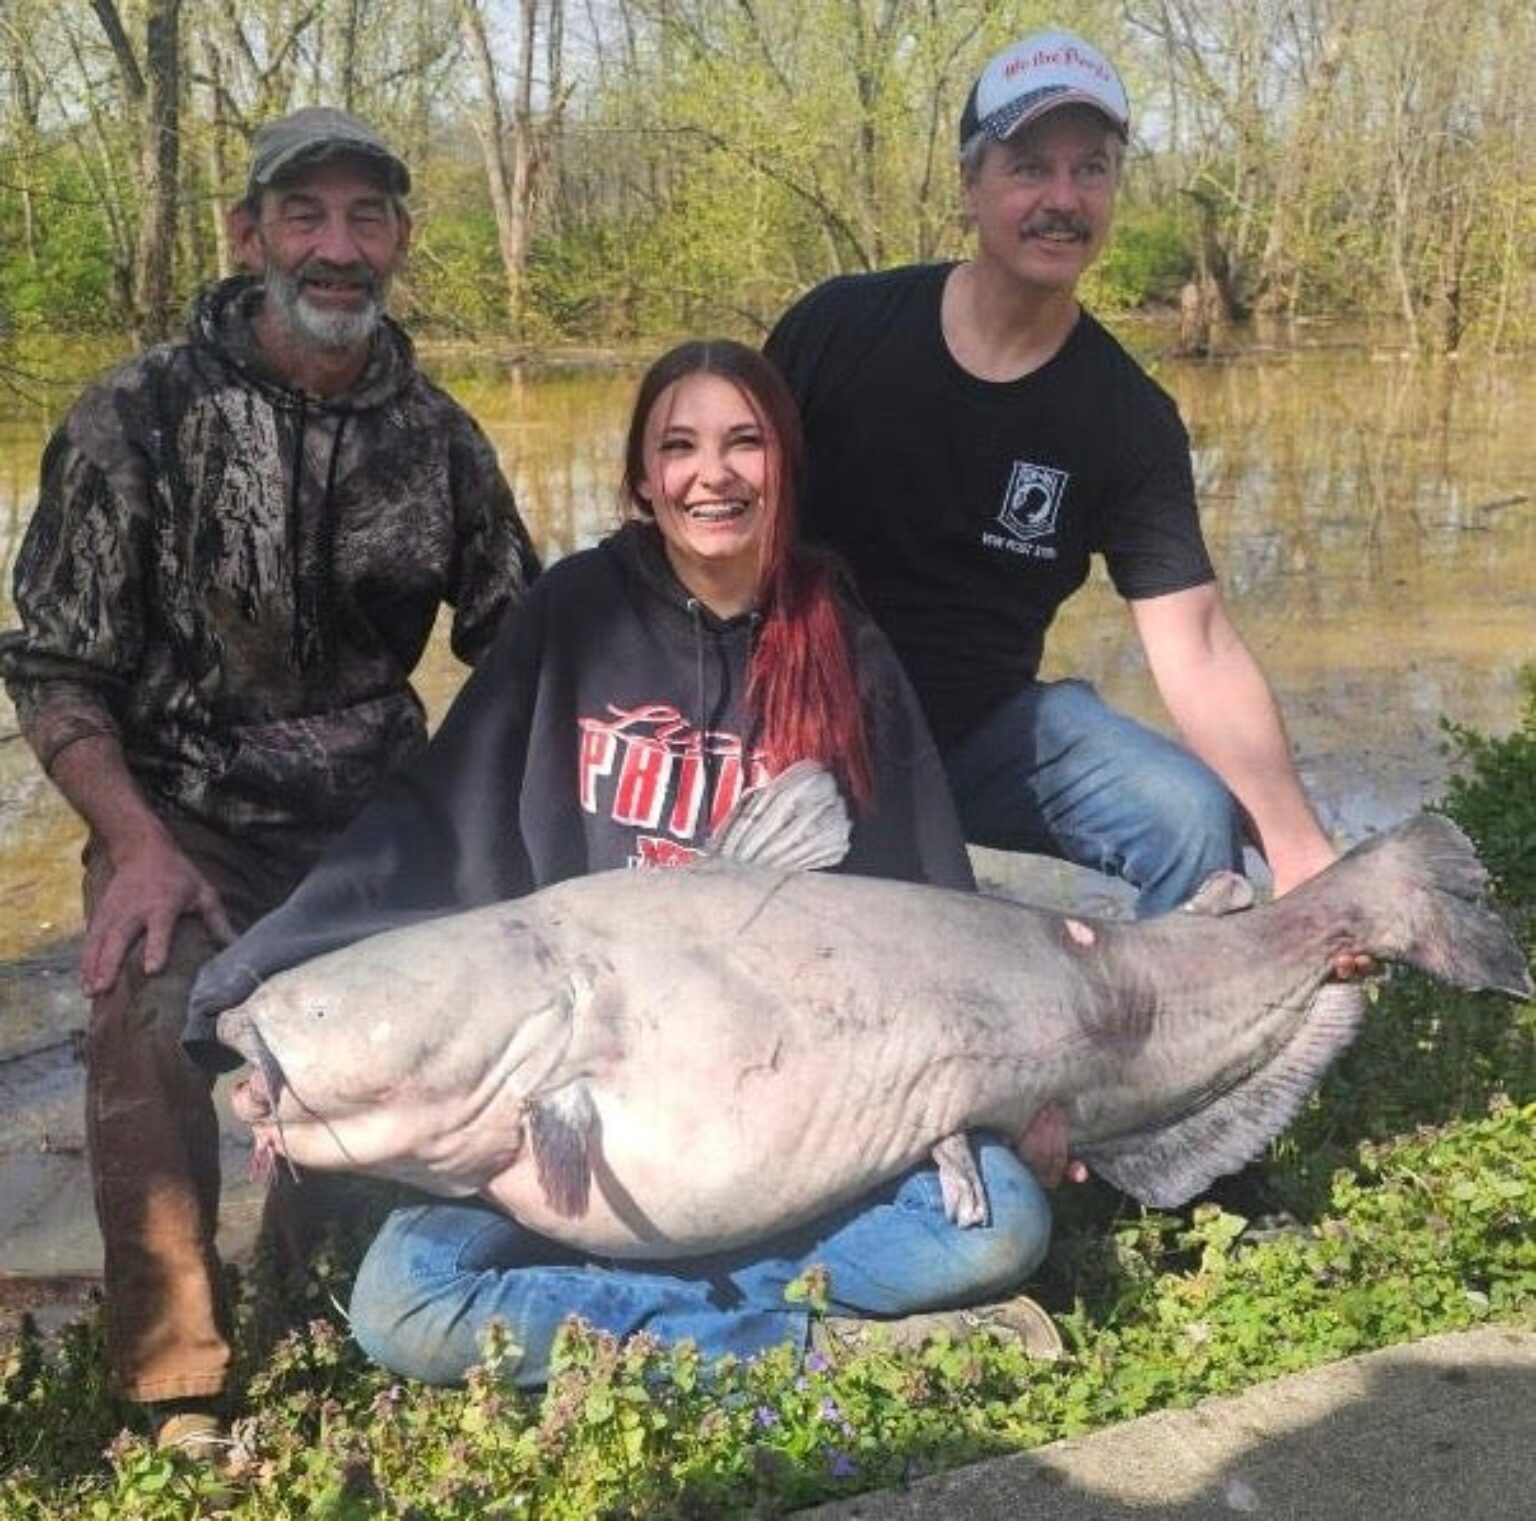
(658, 1064)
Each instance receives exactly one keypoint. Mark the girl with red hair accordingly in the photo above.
(714, 459)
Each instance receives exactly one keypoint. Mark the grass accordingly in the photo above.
(1388, 1240)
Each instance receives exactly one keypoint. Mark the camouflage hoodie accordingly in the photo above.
(237, 579)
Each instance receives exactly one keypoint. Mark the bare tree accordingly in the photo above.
(1281, 262)
(511, 143)
(25, 104)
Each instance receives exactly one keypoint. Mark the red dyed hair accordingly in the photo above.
(802, 688)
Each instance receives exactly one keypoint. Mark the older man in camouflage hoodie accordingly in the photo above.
(240, 547)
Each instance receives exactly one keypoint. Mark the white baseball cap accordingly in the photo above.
(1046, 70)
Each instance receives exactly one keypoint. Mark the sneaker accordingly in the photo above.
(202, 1439)
(1023, 1319)
(1019, 1319)
(198, 1434)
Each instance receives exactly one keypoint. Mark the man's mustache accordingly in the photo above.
(1054, 225)
(349, 274)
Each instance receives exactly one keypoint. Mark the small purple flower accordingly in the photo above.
(387, 1401)
(840, 1465)
(765, 1417)
(816, 1362)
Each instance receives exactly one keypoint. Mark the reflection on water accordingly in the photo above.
(560, 438)
(1374, 519)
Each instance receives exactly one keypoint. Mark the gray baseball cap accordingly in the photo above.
(315, 133)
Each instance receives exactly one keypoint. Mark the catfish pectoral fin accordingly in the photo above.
(566, 1135)
(1223, 892)
(960, 1185)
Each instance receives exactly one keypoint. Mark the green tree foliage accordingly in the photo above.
(785, 142)
(696, 164)
(63, 270)
(1146, 262)
(1354, 156)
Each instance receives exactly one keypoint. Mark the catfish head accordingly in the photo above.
(377, 1059)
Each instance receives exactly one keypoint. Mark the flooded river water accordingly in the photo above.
(1373, 518)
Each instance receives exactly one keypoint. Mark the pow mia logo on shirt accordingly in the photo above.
(1030, 508)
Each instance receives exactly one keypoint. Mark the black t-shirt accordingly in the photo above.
(969, 509)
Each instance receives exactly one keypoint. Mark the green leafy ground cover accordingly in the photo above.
(1386, 1240)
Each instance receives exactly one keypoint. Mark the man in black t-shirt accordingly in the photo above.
(975, 437)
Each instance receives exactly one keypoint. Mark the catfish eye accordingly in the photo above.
(318, 1010)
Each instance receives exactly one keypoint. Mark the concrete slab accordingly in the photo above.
(1438, 1429)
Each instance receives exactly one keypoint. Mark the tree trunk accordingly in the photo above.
(153, 92)
(1280, 261)
(511, 154)
(220, 175)
(525, 166)
(25, 118)
(160, 161)
(490, 127)
(350, 20)
(867, 137)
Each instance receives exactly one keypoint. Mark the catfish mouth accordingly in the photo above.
(252, 1099)
(256, 1098)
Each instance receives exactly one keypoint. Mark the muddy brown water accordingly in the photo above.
(1373, 518)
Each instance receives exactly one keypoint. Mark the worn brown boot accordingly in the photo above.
(1019, 1319)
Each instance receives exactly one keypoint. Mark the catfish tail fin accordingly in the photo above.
(1423, 889)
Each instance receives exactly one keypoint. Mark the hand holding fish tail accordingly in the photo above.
(1225, 892)
(1352, 966)
(1348, 965)
(1043, 1149)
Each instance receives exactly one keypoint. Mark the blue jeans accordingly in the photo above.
(438, 1275)
(1056, 772)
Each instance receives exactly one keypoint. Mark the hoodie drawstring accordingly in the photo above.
(701, 719)
(700, 715)
(313, 539)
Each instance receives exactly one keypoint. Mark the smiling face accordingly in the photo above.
(707, 459)
(1043, 200)
(326, 242)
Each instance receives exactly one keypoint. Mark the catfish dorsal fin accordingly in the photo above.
(796, 822)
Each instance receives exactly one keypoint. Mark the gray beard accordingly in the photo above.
(328, 332)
